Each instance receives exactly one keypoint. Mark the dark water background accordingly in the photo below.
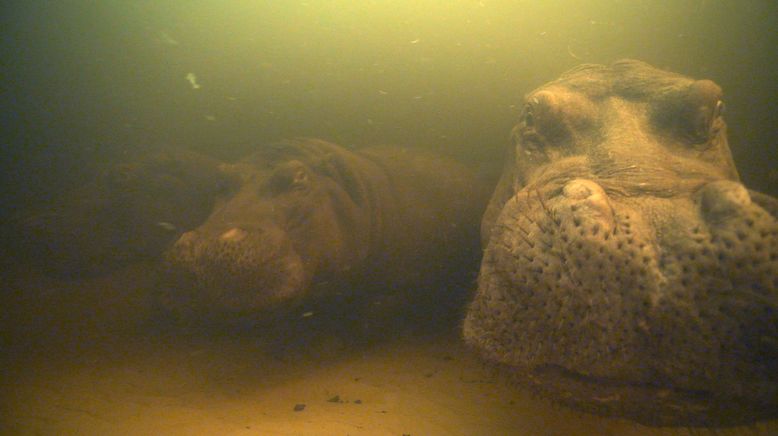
(87, 81)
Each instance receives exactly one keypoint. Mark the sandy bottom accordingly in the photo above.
(74, 362)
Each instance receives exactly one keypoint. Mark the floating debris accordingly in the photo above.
(192, 79)
(382, 92)
(307, 314)
(415, 41)
(210, 117)
(299, 407)
(570, 52)
(167, 226)
(167, 39)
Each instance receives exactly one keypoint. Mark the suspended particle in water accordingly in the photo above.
(192, 79)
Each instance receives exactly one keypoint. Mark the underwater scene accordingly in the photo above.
(429, 217)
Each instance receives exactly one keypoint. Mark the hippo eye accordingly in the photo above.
(720, 109)
(224, 186)
(290, 178)
(717, 121)
(691, 114)
(526, 132)
(299, 177)
(529, 116)
(706, 124)
(121, 175)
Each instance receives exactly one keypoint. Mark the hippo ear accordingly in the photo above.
(694, 113)
(768, 203)
(120, 175)
(344, 173)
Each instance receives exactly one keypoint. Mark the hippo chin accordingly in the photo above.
(627, 272)
(313, 220)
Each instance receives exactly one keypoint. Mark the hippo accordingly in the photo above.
(130, 211)
(313, 221)
(627, 272)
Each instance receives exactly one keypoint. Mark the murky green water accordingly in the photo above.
(84, 83)
(86, 80)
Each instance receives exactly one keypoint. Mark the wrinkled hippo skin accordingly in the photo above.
(627, 272)
(313, 221)
(130, 211)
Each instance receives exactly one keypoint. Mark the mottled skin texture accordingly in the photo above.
(626, 270)
(131, 211)
(312, 219)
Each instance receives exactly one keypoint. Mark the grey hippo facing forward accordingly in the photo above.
(627, 271)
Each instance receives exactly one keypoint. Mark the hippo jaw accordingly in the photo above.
(592, 301)
(238, 271)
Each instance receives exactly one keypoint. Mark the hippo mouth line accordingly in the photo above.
(610, 390)
(672, 405)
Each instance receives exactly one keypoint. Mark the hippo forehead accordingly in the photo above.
(625, 115)
(629, 79)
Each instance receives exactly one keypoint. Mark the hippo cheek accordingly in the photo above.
(596, 307)
(237, 270)
(716, 321)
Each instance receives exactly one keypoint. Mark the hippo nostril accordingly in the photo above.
(186, 238)
(589, 200)
(578, 189)
(234, 234)
(722, 199)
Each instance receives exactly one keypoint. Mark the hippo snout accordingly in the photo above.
(668, 300)
(234, 269)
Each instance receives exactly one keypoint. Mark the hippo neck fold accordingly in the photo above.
(379, 206)
(426, 205)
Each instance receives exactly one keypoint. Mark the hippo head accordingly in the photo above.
(627, 272)
(298, 214)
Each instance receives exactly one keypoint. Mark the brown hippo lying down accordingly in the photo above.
(627, 272)
(295, 221)
(131, 211)
(312, 219)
